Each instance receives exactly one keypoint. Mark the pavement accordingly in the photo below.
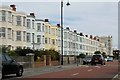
(47, 69)
(41, 70)
(28, 72)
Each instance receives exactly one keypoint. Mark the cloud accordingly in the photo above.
(97, 18)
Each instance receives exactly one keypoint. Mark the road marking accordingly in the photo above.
(90, 70)
(86, 66)
(116, 76)
(75, 74)
(98, 66)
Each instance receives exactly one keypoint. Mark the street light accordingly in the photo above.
(62, 30)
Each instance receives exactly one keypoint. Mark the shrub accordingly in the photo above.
(82, 56)
(104, 55)
(97, 52)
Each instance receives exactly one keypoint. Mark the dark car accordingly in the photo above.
(10, 66)
(97, 59)
(87, 60)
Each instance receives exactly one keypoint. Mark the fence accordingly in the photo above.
(28, 61)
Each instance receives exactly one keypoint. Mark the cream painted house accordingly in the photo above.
(13, 27)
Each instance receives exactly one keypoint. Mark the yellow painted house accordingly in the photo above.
(50, 36)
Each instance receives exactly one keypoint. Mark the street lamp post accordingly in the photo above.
(62, 30)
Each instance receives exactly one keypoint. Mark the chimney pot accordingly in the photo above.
(13, 7)
(46, 20)
(86, 35)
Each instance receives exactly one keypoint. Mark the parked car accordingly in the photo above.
(110, 59)
(98, 59)
(0, 72)
(106, 59)
(87, 60)
(10, 66)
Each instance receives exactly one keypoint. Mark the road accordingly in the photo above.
(98, 71)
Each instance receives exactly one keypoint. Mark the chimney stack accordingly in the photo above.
(32, 14)
(90, 36)
(46, 20)
(97, 39)
(13, 7)
(94, 38)
(67, 28)
(75, 31)
(58, 25)
(81, 34)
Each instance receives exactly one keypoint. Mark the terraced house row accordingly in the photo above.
(18, 29)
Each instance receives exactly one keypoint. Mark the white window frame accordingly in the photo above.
(9, 33)
(18, 20)
(46, 29)
(9, 16)
(24, 20)
(46, 41)
(33, 25)
(18, 35)
(24, 35)
(38, 38)
(39, 27)
(2, 15)
(28, 24)
(28, 38)
(53, 41)
(2, 32)
(43, 29)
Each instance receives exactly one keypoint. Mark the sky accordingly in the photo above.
(90, 18)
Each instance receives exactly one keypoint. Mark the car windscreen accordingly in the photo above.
(88, 57)
(96, 56)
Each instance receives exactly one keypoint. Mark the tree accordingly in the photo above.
(97, 52)
(12, 53)
(4, 49)
(54, 54)
(82, 56)
(104, 55)
(38, 53)
(23, 52)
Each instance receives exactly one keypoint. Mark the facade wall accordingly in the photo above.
(30, 32)
(107, 42)
(25, 31)
(12, 28)
(75, 44)
(50, 36)
(40, 39)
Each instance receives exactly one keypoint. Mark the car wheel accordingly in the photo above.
(19, 72)
(84, 63)
(104, 63)
(92, 63)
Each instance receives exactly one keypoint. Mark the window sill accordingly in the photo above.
(18, 40)
(2, 38)
(18, 25)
